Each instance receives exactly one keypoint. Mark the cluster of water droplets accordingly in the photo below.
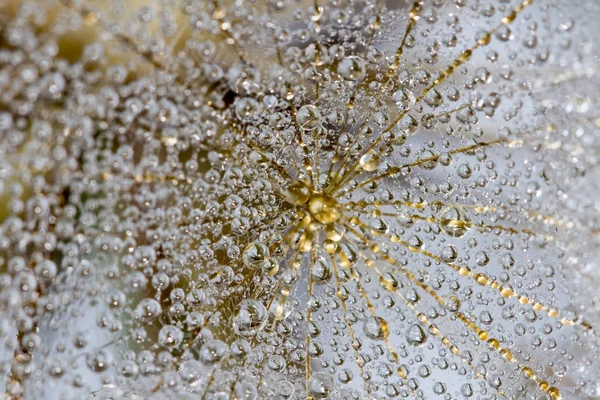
(299, 199)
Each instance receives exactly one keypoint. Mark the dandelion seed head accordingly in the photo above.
(298, 199)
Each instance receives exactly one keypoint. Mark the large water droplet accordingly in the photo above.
(296, 193)
(213, 351)
(352, 68)
(255, 254)
(376, 328)
(370, 161)
(170, 336)
(322, 271)
(320, 385)
(455, 222)
(308, 117)
(147, 309)
(416, 335)
(247, 109)
(251, 318)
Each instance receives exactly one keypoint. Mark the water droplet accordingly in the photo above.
(322, 271)
(100, 361)
(296, 192)
(416, 335)
(324, 209)
(147, 309)
(251, 318)
(404, 99)
(464, 171)
(213, 351)
(439, 388)
(246, 109)
(453, 303)
(455, 222)
(376, 328)
(308, 117)
(255, 254)
(352, 68)
(320, 385)
(240, 348)
(170, 336)
(466, 390)
(370, 161)
(449, 254)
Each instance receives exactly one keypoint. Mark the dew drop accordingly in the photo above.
(376, 328)
(246, 109)
(320, 385)
(370, 161)
(296, 193)
(464, 171)
(213, 351)
(255, 254)
(322, 271)
(281, 307)
(416, 335)
(466, 390)
(352, 68)
(455, 222)
(324, 209)
(251, 318)
(170, 336)
(308, 117)
(147, 309)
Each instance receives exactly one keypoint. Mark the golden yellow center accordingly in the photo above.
(324, 209)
